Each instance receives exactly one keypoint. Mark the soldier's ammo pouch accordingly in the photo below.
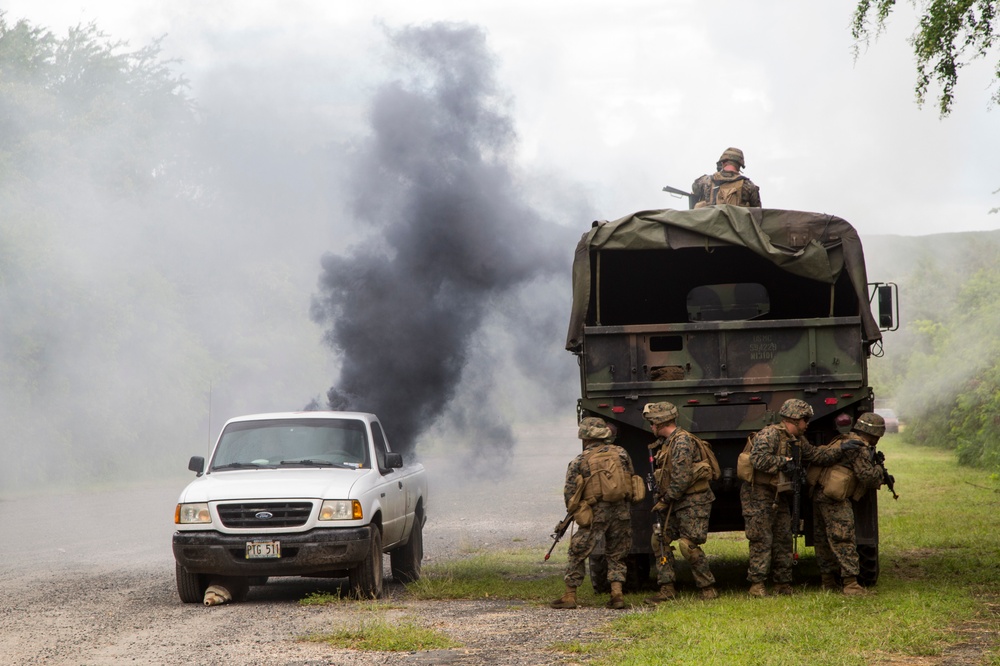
(702, 471)
(584, 515)
(744, 468)
(638, 488)
(838, 482)
(574, 502)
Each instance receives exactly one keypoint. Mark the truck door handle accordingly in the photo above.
(400, 484)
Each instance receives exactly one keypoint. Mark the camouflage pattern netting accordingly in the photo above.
(796, 409)
(734, 155)
(593, 427)
(871, 423)
(659, 412)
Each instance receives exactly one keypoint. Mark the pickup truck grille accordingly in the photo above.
(248, 515)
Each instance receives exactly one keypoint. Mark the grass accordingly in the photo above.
(383, 635)
(938, 593)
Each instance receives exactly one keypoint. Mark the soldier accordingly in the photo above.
(833, 489)
(775, 450)
(727, 185)
(598, 492)
(683, 472)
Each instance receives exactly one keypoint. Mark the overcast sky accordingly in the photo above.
(615, 102)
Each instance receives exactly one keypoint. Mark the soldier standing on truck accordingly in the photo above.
(833, 489)
(598, 493)
(727, 185)
(684, 467)
(775, 452)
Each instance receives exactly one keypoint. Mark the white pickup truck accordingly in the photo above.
(300, 494)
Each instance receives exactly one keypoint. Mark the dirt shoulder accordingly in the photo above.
(76, 588)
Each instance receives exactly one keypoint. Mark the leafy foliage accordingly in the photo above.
(946, 378)
(951, 34)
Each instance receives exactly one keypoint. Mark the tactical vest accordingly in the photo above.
(706, 468)
(838, 482)
(746, 471)
(728, 192)
(608, 481)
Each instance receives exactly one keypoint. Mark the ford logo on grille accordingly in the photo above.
(263, 515)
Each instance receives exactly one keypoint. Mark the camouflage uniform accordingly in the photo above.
(612, 521)
(706, 190)
(768, 516)
(688, 512)
(833, 520)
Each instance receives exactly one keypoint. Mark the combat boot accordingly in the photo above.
(666, 593)
(567, 600)
(617, 601)
(783, 588)
(709, 592)
(852, 588)
(829, 583)
(758, 590)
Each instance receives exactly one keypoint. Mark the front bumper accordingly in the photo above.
(315, 552)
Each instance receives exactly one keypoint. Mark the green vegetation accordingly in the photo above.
(950, 34)
(383, 635)
(945, 371)
(939, 588)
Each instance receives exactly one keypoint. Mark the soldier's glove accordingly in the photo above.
(786, 465)
(851, 445)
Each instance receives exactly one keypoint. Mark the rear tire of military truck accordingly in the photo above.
(868, 563)
(190, 587)
(366, 578)
(405, 560)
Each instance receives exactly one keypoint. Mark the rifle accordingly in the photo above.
(560, 530)
(658, 529)
(796, 498)
(674, 190)
(888, 479)
(658, 525)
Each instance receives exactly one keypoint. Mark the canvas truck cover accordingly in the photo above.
(811, 245)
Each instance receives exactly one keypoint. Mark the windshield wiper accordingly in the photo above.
(313, 463)
(237, 465)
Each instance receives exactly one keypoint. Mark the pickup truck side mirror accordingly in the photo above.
(393, 460)
(197, 464)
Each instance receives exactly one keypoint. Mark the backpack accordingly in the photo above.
(728, 193)
(608, 480)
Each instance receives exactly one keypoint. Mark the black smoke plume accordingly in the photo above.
(447, 237)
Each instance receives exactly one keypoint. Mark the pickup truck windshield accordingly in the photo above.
(310, 442)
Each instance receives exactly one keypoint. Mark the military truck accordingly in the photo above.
(726, 312)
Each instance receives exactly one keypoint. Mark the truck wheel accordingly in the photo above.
(405, 560)
(190, 587)
(366, 578)
(868, 562)
(599, 574)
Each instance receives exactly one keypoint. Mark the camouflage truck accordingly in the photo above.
(726, 312)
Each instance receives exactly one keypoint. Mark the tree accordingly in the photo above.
(951, 34)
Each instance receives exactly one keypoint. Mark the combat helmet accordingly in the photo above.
(795, 409)
(870, 423)
(659, 412)
(733, 154)
(594, 427)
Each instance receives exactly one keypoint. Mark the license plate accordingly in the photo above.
(263, 549)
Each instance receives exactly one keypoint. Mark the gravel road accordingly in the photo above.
(88, 578)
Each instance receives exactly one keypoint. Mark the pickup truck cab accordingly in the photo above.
(300, 494)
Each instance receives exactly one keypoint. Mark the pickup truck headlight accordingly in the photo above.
(188, 514)
(340, 510)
